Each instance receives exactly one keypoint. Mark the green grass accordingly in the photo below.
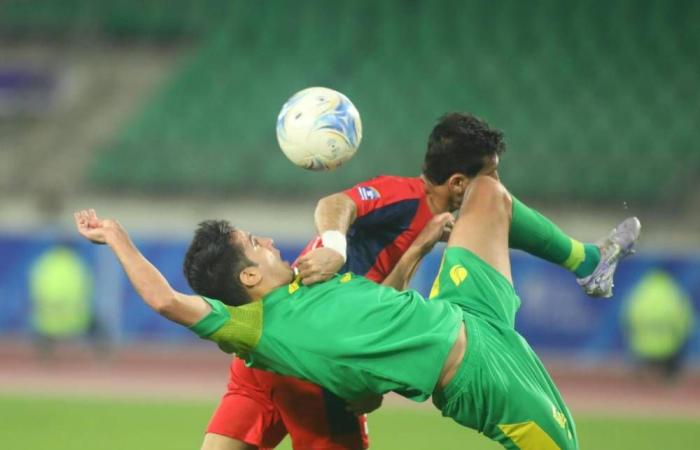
(100, 424)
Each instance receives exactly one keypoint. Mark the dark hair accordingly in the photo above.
(460, 143)
(213, 262)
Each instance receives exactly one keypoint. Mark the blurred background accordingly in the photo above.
(162, 113)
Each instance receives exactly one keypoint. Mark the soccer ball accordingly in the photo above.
(319, 129)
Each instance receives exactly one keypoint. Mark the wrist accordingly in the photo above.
(421, 251)
(115, 237)
(335, 240)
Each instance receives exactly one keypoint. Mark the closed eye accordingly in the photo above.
(253, 241)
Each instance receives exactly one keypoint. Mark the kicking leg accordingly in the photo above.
(537, 235)
(593, 265)
(484, 223)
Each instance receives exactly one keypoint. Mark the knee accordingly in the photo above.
(488, 192)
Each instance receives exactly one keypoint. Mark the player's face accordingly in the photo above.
(262, 251)
(447, 197)
(438, 196)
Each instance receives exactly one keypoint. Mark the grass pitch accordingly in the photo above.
(100, 424)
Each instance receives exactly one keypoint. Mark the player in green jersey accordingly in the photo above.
(357, 338)
(356, 228)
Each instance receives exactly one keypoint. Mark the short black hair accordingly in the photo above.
(213, 262)
(460, 143)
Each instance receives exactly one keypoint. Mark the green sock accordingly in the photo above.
(532, 232)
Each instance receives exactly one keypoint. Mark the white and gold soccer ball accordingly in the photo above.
(319, 129)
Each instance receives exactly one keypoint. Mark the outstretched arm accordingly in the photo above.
(333, 216)
(435, 230)
(149, 283)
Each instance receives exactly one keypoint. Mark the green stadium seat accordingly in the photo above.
(594, 98)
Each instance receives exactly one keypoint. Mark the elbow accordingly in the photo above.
(326, 201)
(165, 305)
(337, 199)
(335, 205)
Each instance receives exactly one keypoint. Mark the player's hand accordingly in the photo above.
(319, 265)
(364, 405)
(437, 229)
(96, 230)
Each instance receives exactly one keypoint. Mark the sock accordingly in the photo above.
(530, 231)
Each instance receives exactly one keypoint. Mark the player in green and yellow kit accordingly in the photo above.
(357, 338)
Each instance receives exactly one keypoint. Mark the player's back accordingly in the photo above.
(356, 337)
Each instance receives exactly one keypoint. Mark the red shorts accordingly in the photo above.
(260, 408)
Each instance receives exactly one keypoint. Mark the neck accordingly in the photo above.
(271, 283)
(431, 204)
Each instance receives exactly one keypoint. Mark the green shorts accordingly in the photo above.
(501, 388)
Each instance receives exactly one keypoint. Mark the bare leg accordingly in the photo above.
(219, 442)
(484, 223)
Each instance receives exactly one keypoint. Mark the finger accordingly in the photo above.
(303, 265)
(79, 222)
(311, 279)
(305, 270)
(319, 276)
(92, 218)
(447, 217)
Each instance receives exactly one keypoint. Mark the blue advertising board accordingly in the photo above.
(555, 315)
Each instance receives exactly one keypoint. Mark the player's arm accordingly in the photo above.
(404, 270)
(149, 283)
(333, 216)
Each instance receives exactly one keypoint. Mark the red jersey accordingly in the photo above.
(391, 212)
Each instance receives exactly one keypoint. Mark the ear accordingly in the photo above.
(457, 184)
(250, 276)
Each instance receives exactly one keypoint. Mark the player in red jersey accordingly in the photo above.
(365, 230)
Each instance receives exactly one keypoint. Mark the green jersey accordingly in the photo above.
(348, 334)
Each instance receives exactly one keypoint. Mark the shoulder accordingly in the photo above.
(234, 328)
(391, 186)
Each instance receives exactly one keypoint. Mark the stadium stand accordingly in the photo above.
(210, 126)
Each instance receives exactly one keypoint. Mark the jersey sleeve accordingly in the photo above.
(234, 329)
(382, 191)
(213, 321)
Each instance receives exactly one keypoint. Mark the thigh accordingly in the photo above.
(537, 421)
(484, 223)
(246, 412)
(533, 415)
(503, 391)
(317, 419)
